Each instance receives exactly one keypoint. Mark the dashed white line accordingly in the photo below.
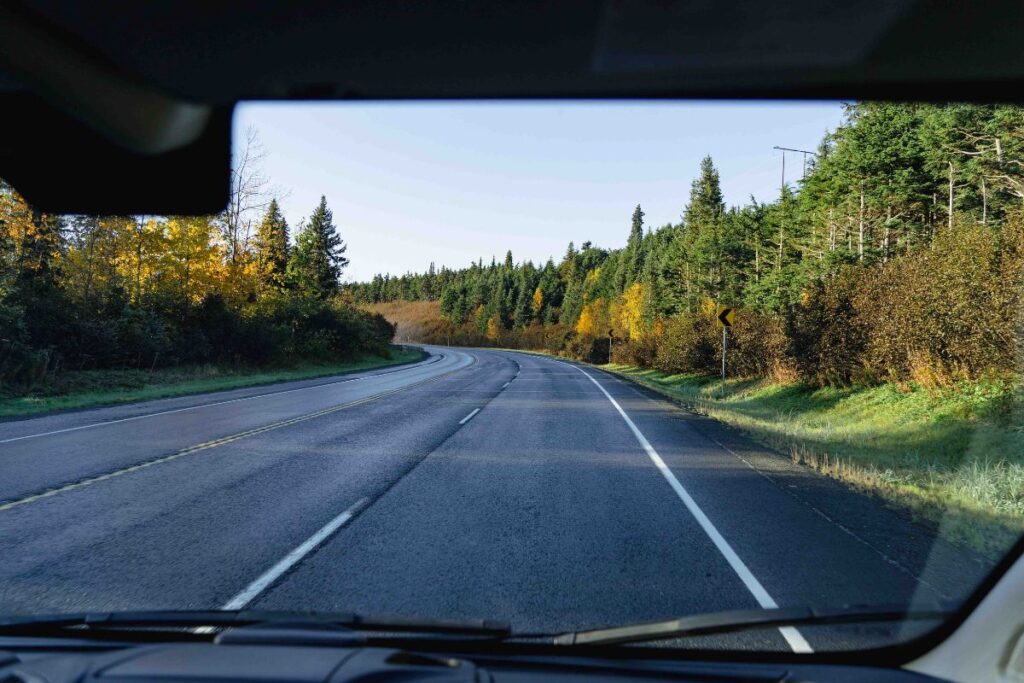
(469, 417)
(252, 591)
(505, 385)
(793, 637)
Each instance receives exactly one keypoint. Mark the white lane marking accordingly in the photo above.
(205, 405)
(252, 591)
(505, 385)
(793, 637)
(469, 417)
(767, 477)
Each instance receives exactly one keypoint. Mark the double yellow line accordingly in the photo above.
(88, 481)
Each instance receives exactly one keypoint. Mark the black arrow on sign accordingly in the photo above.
(723, 317)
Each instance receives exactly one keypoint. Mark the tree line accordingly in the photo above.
(897, 256)
(87, 292)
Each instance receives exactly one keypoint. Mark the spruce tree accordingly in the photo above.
(631, 263)
(272, 246)
(318, 258)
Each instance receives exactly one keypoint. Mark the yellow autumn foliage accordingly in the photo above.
(593, 320)
(630, 311)
(493, 328)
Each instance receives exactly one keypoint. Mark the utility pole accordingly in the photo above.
(805, 152)
(782, 194)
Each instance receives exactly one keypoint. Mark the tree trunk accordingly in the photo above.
(885, 235)
(138, 260)
(782, 235)
(950, 207)
(860, 226)
(689, 296)
(831, 228)
(984, 202)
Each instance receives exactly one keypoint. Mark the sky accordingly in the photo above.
(411, 183)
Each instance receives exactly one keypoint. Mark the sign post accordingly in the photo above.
(724, 317)
(725, 343)
(610, 347)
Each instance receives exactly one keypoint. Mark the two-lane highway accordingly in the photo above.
(478, 483)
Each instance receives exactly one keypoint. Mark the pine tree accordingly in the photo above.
(634, 247)
(631, 262)
(318, 258)
(703, 218)
(272, 246)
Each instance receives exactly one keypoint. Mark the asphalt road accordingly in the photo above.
(478, 483)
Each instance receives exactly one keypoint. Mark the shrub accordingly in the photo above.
(640, 351)
(948, 312)
(825, 332)
(691, 343)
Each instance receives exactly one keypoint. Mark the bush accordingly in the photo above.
(826, 333)
(758, 346)
(21, 366)
(641, 352)
(949, 312)
(587, 348)
(691, 343)
(142, 336)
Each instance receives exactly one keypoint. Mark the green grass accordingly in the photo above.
(954, 457)
(91, 388)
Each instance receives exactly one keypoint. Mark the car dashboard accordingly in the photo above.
(63, 661)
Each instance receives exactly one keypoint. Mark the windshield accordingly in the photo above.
(569, 366)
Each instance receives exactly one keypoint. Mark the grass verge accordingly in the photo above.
(91, 388)
(954, 457)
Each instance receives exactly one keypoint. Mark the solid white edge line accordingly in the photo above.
(204, 405)
(469, 417)
(792, 636)
(252, 591)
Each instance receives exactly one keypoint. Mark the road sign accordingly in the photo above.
(725, 315)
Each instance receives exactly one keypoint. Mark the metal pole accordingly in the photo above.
(782, 187)
(725, 338)
(805, 152)
(609, 349)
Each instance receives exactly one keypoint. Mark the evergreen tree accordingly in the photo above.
(630, 264)
(703, 219)
(272, 246)
(634, 259)
(318, 258)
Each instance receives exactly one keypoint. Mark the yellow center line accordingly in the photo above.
(88, 481)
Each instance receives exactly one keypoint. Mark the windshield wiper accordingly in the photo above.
(753, 619)
(219, 619)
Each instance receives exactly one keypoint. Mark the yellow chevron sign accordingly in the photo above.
(725, 315)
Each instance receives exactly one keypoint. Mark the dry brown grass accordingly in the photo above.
(416, 320)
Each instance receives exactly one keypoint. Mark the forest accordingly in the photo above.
(896, 257)
(109, 292)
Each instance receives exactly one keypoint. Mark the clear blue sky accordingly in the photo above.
(411, 183)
